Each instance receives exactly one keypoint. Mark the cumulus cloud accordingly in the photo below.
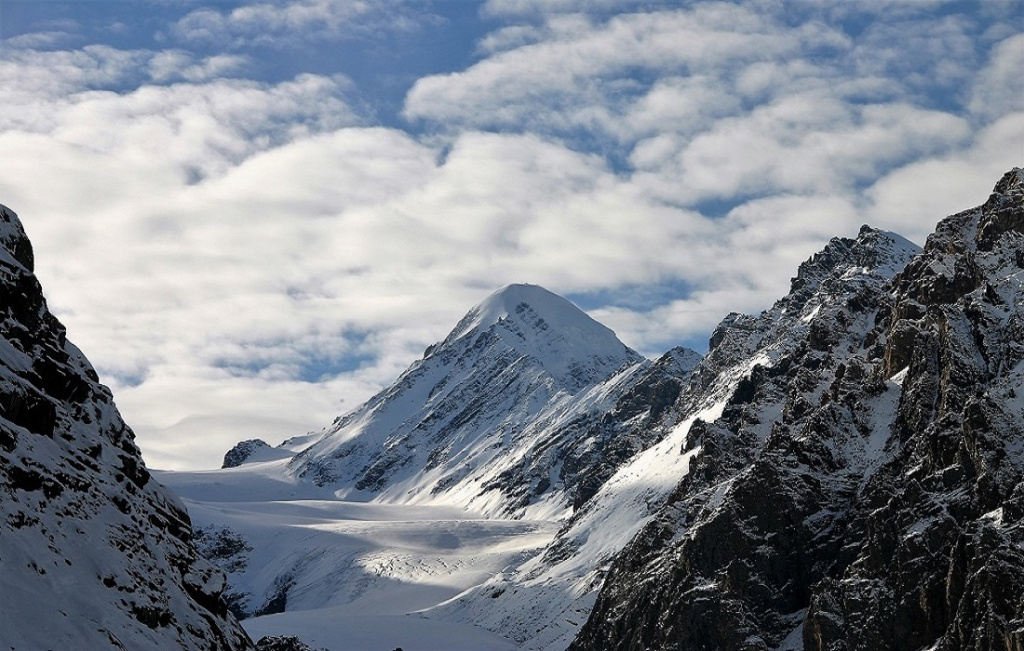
(912, 198)
(999, 88)
(29, 75)
(585, 64)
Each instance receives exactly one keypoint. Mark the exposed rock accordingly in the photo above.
(880, 507)
(242, 451)
(229, 552)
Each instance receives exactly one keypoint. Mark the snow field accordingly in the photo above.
(358, 574)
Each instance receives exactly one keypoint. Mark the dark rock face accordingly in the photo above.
(863, 486)
(93, 552)
(239, 454)
(229, 552)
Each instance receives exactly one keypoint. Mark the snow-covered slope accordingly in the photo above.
(862, 487)
(94, 553)
(348, 575)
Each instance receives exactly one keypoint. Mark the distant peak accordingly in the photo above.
(509, 297)
(538, 324)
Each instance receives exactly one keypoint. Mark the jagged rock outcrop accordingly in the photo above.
(862, 486)
(606, 440)
(243, 451)
(93, 552)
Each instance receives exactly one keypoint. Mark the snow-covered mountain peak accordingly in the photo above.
(845, 275)
(884, 252)
(505, 303)
(753, 498)
(475, 421)
(533, 322)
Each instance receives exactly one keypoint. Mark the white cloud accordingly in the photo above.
(33, 75)
(131, 250)
(913, 198)
(999, 89)
(175, 65)
(510, 38)
(237, 255)
(553, 83)
(534, 8)
(288, 23)
(34, 40)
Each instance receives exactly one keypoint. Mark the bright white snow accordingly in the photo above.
(361, 571)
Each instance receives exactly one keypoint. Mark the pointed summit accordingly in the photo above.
(509, 301)
(875, 252)
(534, 322)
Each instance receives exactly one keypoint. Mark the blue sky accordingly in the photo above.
(251, 215)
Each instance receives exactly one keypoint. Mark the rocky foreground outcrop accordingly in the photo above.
(94, 553)
(863, 486)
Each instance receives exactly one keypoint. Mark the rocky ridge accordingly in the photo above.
(93, 552)
(862, 487)
(548, 598)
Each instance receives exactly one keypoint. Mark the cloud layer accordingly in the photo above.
(243, 256)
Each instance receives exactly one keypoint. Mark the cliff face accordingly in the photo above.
(93, 552)
(862, 488)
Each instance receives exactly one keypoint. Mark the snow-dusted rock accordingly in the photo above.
(254, 451)
(94, 553)
(861, 488)
(546, 600)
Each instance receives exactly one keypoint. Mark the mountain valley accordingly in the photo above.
(844, 470)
